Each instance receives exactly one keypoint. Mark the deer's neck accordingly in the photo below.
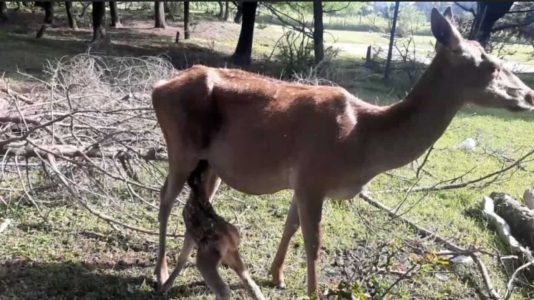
(402, 132)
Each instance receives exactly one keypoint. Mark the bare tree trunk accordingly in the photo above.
(113, 11)
(186, 20)
(3, 11)
(166, 7)
(221, 9)
(70, 17)
(243, 50)
(84, 9)
(99, 17)
(226, 10)
(49, 12)
(159, 14)
(318, 28)
(49, 16)
(391, 41)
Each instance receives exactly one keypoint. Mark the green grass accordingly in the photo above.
(69, 253)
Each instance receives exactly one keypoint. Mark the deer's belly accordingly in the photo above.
(252, 176)
(344, 193)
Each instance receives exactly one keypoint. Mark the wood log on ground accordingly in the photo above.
(502, 202)
(519, 217)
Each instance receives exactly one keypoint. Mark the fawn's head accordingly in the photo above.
(477, 76)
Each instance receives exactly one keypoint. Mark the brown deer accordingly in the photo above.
(217, 240)
(261, 135)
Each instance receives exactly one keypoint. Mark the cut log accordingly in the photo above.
(520, 218)
(510, 209)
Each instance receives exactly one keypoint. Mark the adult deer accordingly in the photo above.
(261, 135)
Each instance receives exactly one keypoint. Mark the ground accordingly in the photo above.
(65, 252)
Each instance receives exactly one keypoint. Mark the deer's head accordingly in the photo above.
(477, 76)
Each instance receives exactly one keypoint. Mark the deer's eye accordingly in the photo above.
(490, 67)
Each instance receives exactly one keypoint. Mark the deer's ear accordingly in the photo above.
(443, 30)
(448, 15)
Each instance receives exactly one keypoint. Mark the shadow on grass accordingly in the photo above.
(23, 279)
(68, 280)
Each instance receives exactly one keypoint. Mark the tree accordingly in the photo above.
(391, 41)
(159, 14)
(113, 11)
(243, 51)
(70, 17)
(48, 7)
(221, 9)
(318, 28)
(186, 20)
(226, 10)
(3, 11)
(99, 17)
(239, 13)
(486, 16)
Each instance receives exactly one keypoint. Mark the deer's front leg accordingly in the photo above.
(310, 206)
(291, 226)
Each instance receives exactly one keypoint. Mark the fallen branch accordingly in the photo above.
(450, 245)
(420, 230)
(440, 187)
(12, 93)
(93, 119)
(72, 151)
(52, 163)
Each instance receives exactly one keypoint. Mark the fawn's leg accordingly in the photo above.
(233, 260)
(208, 260)
(187, 248)
(291, 226)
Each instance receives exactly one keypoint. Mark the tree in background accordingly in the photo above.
(48, 7)
(3, 11)
(391, 41)
(243, 51)
(411, 20)
(226, 10)
(70, 17)
(159, 14)
(239, 13)
(486, 16)
(504, 18)
(318, 28)
(186, 20)
(99, 18)
(113, 11)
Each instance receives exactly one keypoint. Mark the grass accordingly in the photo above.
(64, 252)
